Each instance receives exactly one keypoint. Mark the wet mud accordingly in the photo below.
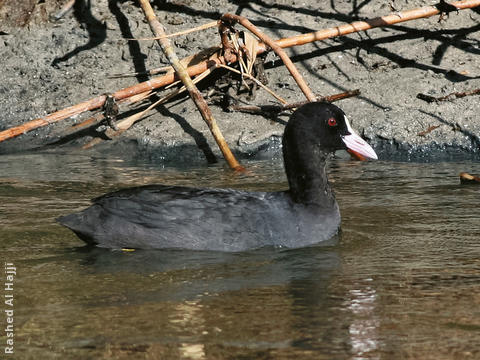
(48, 65)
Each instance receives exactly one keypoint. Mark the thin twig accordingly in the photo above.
(184, 32)
(205, 54)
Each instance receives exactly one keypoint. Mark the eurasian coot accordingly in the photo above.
(158, 216)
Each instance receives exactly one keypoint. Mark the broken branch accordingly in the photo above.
(275, 109)
(451, 96)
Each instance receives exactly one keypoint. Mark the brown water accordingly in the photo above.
(403, 280)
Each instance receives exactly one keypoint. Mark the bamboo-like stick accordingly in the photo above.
(357, 26)
(168, 78)
(200, 102)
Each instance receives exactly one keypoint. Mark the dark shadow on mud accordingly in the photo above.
(197, 136)
(372, 46)
(448, 38)
(97, 32)
(133, 46)
(179, 7)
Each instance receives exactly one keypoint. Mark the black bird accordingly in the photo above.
(158, 216)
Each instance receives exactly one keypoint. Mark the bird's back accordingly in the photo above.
(158, 216)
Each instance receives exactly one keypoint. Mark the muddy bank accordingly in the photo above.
(50, 65)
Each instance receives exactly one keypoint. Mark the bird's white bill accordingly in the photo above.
(355, 143)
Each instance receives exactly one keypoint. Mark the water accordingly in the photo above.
(401, 282)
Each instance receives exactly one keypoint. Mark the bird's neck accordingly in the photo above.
(307, 176)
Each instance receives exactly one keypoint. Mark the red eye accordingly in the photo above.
(332, 122)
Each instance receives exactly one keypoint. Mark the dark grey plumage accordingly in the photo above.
(157, 216)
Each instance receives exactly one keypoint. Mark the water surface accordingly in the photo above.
(400, 281)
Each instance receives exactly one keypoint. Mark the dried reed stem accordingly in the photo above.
(168, 78)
